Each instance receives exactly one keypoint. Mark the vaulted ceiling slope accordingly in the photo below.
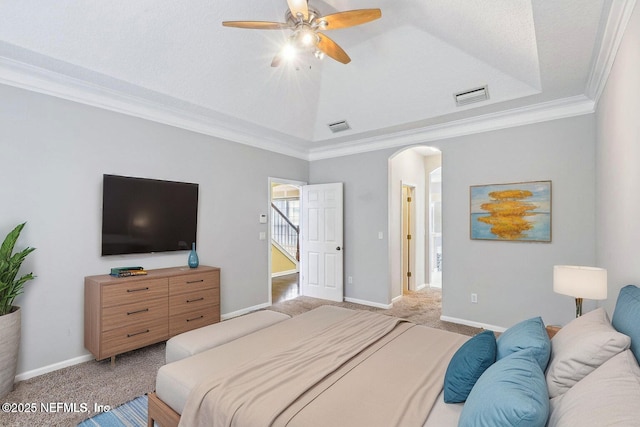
(173, 62)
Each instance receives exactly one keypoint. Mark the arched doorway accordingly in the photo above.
(419, 251)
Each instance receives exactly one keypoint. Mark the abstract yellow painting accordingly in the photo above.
(511, 212)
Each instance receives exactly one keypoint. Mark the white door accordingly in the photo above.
(321, 241)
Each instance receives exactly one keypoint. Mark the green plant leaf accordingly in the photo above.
(10, 264)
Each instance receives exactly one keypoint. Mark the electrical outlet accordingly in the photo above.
(350, 280)
(474, 298)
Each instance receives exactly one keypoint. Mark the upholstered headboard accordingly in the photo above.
(626, 317)
(592, 377)
(602, 365)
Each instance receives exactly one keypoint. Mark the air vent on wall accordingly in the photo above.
(472, 95)
(339, 126)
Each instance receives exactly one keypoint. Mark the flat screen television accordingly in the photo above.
(141, 215)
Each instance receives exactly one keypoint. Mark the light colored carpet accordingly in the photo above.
(98, 383)
(92, 383)
(422, 307)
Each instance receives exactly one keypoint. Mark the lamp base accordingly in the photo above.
(578, 307)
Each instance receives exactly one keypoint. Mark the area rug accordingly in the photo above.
(130, 414)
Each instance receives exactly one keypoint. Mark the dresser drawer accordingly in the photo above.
(133, 336)
(128, 292)
(193, 282)
(142, 311)
(184, 322)
(123, 314)
(187, 303)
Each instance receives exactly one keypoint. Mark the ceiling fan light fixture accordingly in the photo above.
(305, 22)
(307, 37)
(289, 51)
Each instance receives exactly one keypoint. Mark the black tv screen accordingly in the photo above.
(141, 215)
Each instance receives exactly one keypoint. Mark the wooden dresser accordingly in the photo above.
(123, 314)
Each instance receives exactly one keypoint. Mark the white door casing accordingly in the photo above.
(321, 241)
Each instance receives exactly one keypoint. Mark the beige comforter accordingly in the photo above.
(343, 375)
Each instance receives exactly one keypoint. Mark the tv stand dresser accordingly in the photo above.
(127, 313)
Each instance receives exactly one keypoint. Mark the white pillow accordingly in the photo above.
(581, 347)
(609, 396)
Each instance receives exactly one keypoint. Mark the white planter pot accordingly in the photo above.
(10, 339)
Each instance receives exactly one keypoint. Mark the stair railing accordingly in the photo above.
(285, 233)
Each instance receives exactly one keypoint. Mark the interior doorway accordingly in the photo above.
(284, 228)
(415, 261)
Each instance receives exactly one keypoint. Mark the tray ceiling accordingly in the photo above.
(174, 62)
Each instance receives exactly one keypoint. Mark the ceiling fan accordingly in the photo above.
(306, 24)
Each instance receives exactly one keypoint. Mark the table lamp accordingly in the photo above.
(580, 282)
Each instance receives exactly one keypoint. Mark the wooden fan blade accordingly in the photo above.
(350, 18)
(257, 25)
(276, 60)
(299, 6)
(331, 48)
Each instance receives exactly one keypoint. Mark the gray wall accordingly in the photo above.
(54, 153)
(618, 154)
(365, 214)
(513, 280)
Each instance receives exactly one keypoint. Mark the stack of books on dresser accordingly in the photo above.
(127, 271)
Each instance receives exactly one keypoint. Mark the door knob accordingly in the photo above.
(338, 248)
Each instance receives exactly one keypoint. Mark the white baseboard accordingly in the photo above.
(88, 357)
(369, 303)
(283, 273)
(54, 367)
(398, 298)
(244, 311)
(424, 285)
(472, 323)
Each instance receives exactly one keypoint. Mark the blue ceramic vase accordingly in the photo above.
(193, 257)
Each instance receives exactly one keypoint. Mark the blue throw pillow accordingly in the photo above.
(467, 364)
(626, 316)
(528, 334)
(511, 392)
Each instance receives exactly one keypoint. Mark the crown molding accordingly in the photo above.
(35, 79)
(43, 81)
(29, 77)
(619, 15)
(542, 112)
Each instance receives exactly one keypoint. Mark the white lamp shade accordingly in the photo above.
(580, 282)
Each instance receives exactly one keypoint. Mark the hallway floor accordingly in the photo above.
(284, 288)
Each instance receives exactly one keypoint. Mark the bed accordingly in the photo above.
(334, 366)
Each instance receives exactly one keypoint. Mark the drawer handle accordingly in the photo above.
(138, 333)
(194, 300)
(195, 318)
(129, 313)
(194, 281)
(138, 290)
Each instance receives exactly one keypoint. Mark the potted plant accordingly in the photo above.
(10, 318)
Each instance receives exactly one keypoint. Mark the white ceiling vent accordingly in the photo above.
(339, 126)
(470, 96)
